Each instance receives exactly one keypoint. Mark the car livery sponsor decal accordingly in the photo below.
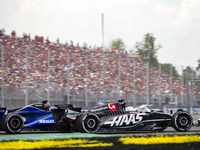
(2, 110)
(124, 120)
(38, 105)
(99, 109)
(112, 106)
(46, 121)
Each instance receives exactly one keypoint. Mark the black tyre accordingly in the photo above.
(12, 123)
(87, 123)
(182, 121)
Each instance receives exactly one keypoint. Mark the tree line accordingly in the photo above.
(141, 51)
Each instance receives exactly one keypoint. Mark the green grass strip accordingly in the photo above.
(33, 137)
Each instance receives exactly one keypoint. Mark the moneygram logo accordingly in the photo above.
(112, 106)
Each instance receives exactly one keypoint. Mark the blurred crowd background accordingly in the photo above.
(82, 74)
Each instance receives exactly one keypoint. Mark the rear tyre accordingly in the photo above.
(87, 123)
(12, 123)
(182, 121)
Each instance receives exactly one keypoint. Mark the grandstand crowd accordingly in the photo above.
(90, 67)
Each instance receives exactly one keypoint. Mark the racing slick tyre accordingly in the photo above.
(87, 123)
(12, 123)
(182, 121)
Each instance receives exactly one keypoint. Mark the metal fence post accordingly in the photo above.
(86, 95)
(182, 83)
(2, 68)
(160, 92)
(119, 76)
(104, 90)
(192, 88)
(26, 100)
(68, 84)
(134, 100)
(48, 93)
(171, 84)
(148, 74)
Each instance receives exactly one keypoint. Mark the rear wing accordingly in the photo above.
(2, 112)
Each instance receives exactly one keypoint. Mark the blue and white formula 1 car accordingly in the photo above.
(34, 116)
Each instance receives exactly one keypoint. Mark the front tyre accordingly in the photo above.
(87, 123)
(12, 123)
(182, 121)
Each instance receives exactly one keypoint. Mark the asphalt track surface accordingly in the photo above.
(46, 135)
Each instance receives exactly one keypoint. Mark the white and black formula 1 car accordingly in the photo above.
(115, 117)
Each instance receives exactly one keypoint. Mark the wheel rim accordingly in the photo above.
(15, 123)
(91, 123)
(183, 121)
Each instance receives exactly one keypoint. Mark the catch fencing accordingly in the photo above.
(91, 77)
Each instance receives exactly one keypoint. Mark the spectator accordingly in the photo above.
(29, 37)
(71, 44)
(3, 31)
(58, 41)
(66, 44)
(84, 45)
(15, 58)
(24, 35)
(113, 49)
(47, 40)
(13, 33)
